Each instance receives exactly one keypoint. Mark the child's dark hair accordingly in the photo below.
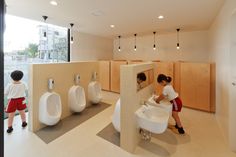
(17, 75)
(162, 77)
(141, 76)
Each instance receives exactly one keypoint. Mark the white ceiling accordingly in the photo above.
(128, 16)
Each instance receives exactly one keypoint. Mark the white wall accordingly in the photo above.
(194, 47)
(220, 53)
(90, 47)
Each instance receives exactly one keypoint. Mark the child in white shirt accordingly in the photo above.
(16, 92)
(169, 93)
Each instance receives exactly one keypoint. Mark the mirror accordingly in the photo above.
(144, 79)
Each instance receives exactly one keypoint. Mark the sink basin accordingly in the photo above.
(153, 119)
(164, 104)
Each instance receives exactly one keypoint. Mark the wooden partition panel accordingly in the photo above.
(213, 87)
(195, 85)
(104, 68)
(166, 68)
(130, 100)
(177, 84)
(115, 75)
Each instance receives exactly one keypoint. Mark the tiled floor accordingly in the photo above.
(203, 139)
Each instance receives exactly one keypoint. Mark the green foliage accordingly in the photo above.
(21, 52)
(32, 50)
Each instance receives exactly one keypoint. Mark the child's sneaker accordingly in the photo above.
(24, 124)
(9, 130)
(181, 130)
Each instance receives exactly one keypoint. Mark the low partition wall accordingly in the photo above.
(63, 75)
(130, 102)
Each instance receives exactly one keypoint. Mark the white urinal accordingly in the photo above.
(94, 92)
(50, 108)
(116, 116)
(77, 99)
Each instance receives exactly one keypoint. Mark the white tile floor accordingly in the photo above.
(203, 139)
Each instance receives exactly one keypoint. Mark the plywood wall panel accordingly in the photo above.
(166, 68)
(195, 85)
(115, 75)
(104, 68)
(213, 87)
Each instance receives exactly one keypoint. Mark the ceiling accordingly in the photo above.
(128, 16)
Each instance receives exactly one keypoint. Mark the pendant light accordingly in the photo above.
(119, 49)
(45, 32)
(154, 41)
(135, 47)
(177, 47)
(71, 33)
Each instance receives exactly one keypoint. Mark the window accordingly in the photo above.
(24, 44)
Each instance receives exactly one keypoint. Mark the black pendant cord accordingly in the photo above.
(154, 40)
(178, 38)
(71, 33)
(119, 48)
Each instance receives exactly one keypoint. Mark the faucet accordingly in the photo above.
(143, 102)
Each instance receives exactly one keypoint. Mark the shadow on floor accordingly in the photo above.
(110, 134)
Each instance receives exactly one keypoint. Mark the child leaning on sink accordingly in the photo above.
(169, 93)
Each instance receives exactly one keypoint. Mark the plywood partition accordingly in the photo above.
(115, 75)
(213, 87)
(130, 102)
(63, 75)
(104, 68)
(195, 85)
(177, 84)
(166, 68)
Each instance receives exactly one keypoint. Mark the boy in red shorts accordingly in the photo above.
(16, 92)
(169, 93)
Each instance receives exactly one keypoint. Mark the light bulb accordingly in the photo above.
(154, 47)
(119, 49)
(53, 3)
(178, 46)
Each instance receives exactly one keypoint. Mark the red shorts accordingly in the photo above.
(16, 104)
(177, 104)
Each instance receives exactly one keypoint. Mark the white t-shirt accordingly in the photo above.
(15, 90)
(169, 92)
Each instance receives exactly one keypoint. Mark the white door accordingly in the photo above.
(232, 105)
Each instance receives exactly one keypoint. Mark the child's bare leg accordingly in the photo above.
(10, 118)
(22, 115)
(176, 118)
